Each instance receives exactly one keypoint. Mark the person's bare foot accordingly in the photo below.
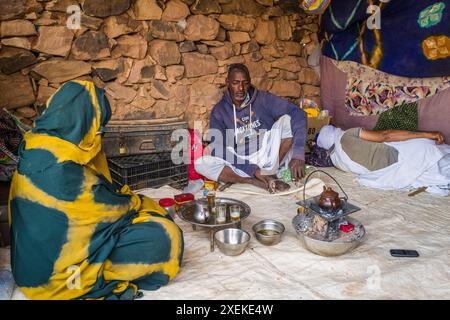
(271, 182)
(281, 186)
(277, 185)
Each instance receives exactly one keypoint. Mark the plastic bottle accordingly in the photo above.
(194, 186)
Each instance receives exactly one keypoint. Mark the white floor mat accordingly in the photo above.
(288, 271)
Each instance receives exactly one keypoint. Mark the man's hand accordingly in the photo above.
(266, 179)
(297, 168)
(438, 136)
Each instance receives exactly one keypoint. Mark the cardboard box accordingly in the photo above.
(314, 126)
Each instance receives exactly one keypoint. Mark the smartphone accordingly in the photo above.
(404, 253)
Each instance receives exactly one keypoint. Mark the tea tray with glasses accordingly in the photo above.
(192, 212)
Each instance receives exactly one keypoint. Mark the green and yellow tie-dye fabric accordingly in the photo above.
(73, 234)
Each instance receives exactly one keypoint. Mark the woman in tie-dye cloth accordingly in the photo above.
(73, 234)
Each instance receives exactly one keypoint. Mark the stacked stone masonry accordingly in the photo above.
(154, 58)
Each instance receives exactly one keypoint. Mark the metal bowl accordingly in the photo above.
(231, 241)
(268, 232)
(334, 248)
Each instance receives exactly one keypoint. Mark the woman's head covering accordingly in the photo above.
(326, 137)
(76, 113)
(71, 126)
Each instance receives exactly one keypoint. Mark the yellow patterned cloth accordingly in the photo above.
(314, 6)
(73, 234)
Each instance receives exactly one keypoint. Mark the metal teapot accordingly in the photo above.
(201, 213)
(329, 199)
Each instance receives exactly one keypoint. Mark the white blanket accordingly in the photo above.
(288, 271)
(421, 163)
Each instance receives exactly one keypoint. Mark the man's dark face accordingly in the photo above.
(238, 84)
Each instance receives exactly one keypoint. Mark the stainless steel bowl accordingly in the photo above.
(268, 231)
(330, 249)
(231, 241)
(327, 249)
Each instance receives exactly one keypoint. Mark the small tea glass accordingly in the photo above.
(235, 212)
(221, 213)
(211, 197)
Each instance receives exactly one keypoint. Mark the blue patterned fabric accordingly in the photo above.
(413, 39)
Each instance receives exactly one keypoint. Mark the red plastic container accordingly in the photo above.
(183, 198)
(347, 227)
(166, 202)
(169, 205)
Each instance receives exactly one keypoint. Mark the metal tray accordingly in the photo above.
(187, 211)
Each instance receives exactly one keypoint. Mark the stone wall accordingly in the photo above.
(154, 58)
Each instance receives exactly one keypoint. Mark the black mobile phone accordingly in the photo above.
(404, 253)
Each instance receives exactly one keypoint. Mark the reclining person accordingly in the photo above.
(390, 159)
(255, 134)
(74, 235)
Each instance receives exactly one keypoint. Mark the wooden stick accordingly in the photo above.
(417, 191)
(225, 186)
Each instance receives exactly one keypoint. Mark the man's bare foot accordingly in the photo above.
(277, 185)
(281, 186)
(272, 183)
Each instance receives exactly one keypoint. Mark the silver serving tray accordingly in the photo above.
(186, 212)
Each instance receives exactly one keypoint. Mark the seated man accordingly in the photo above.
(390, 159)
(255, 134)
(74, 235)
